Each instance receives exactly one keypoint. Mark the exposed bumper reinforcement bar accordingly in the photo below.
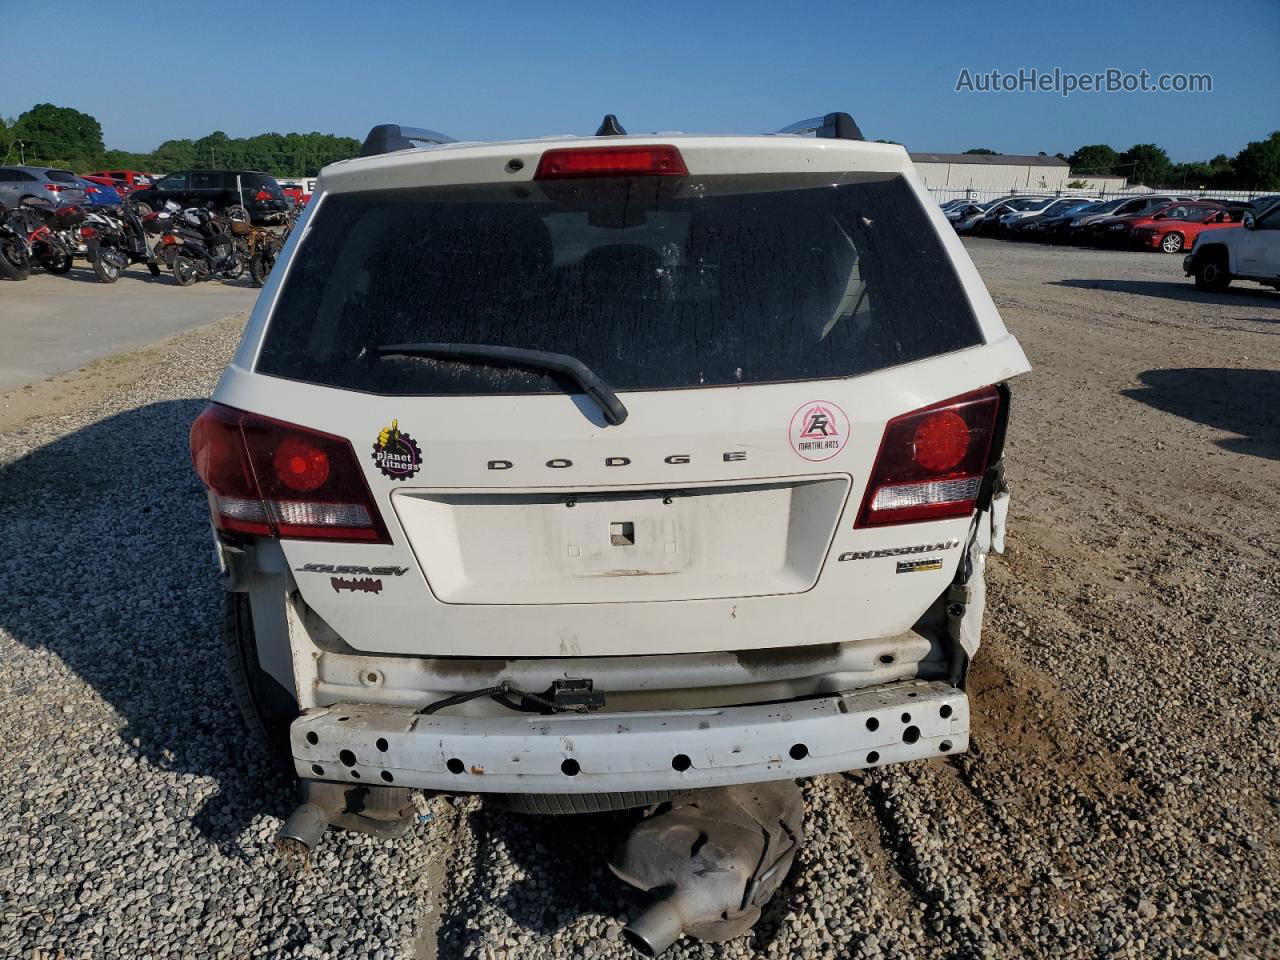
(610, 752)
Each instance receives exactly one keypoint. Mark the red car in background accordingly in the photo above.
(1171, 228)
(299, 191)
(126, 181)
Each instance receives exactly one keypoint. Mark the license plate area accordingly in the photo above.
(742, 539)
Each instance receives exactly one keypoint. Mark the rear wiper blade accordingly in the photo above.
(562, 363)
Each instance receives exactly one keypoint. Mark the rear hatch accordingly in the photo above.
(761, 328)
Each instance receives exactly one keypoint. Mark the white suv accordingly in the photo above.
(1249, 252)
(591, 470)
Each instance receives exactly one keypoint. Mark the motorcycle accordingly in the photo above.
(113, 241)
(197, 245)
(15, 257)
(259, 246)
(52, 234)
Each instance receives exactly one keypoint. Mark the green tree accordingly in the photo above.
(1097, 159)
(1257, 166)
(1145, 163)
(59, 135)
(984, 151)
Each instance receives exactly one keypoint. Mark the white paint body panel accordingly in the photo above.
(477, 609)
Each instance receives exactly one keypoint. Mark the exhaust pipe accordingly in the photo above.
(382, 811)
(657, 928)
(705, 863)
(302, 831)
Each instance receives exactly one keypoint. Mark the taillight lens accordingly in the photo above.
(88, 233)
(262, 196)
(268, 478)
(932, 461)
(654, 161)
(53, 187)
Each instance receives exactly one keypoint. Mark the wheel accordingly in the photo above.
(1211, 274)
(184, 271)
(56, 263)
(260, 266)
(1171, 243)
(14, 262)
(570, 803)
(106, 267)
(142, 209)
(235, 268)
(237, 213)
(266, 707)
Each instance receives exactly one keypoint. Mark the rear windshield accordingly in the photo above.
(258, 181)
(62, 176)
(654, 283)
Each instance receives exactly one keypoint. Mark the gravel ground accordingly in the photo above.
(1122, 797)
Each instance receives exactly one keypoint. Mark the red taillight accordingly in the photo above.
(88, 233)
(169, 240)
(262, 196)
(92, 190)
(268, 478)
(932, 461)
(53, 187)
(657, 161)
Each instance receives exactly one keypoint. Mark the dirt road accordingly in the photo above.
(1122, 797)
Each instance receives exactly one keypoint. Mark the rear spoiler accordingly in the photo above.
(831, 126)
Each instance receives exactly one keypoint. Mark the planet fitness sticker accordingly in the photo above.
(396, 453)
(819, 430)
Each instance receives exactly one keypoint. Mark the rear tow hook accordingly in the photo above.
(705, 863)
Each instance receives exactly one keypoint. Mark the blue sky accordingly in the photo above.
(479, 70)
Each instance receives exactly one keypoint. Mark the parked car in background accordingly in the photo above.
(1250, 251)
(243, 195)
(128, 179)
(958, 213)
(1039, 207)
(18, 183)
(98, 194)
(1116, 231)
(1175, 228)
(1093, 228)
(991, 223)
(968, 219)
(1035, 227)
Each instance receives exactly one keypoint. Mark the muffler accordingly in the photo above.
(705, 863)
(382, 811)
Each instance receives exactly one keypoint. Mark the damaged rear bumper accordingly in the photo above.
(618, 752)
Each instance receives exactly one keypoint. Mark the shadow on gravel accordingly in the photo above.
(562, 862)
(1186, 292)
(109, 566)
(1245, 402)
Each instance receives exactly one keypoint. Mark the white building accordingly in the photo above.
(1006, 173)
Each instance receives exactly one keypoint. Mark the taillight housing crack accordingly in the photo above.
(932, 461)
(268, 478)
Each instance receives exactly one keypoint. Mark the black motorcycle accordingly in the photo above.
(115, 240)
(15, 255)
(52, 233)
(197, 245)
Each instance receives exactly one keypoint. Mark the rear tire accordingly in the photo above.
(184, 271)
(1172, 243)
(260, 266)
(265, 706)
(1211, 274)
(14, 262)
(142, 209)
(105, 269)
(237, 213)
(557, 804)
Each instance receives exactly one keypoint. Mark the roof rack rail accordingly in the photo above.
(832, 126)
(390, 137)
